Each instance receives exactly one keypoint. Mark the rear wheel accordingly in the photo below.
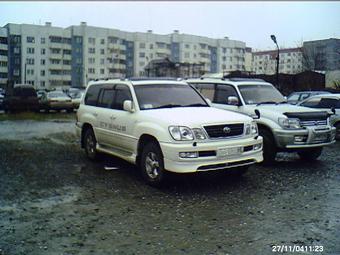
(152, 165)
(90, 144)
(310, 154)
(269, 147)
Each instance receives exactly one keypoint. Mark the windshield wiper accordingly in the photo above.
(196, 105)
(168, 106)
(268, 102)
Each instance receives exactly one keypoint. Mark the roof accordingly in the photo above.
(235, 81)
(140, 81)
(267, 52)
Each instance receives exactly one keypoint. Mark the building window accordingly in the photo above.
(55, 51)
(187, 55)
(102, 41)
(66, 62)
(16, 72)
(102, 61)
(30, 50)
(78, 61)
(16, 50)
(30, 61)
(141, 63)
(43, 51)
(102, 71)
(42, 61)
(151, 46)
(42, 72)
(92, 50)
(79, 40)
(91, 70)
(187, 46)
(30, 39)
(55, 61)
(42, 83)
(102, 51)
(142, 54)
(42, 40)
(92, 40)
(91, 60)
(142, 45)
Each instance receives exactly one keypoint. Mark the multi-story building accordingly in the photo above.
(50, 57)
(39, 55)
(322, 55)
(248, 60)
(264, 62)
(3, 57)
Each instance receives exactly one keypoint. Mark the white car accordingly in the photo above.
(284, 127)
(326, 102)
(164, 125)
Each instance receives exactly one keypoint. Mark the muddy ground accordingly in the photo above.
(55, 201)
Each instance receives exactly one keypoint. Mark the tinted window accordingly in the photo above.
(122, 94)
(106, 98)
(92, 95)
(207, 90)
(223, 92)
(256, 94)
(328, 103)
(312, 102)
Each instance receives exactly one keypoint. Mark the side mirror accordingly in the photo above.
(128, 106)
(333, 110)
(232, 100)
(208, 101)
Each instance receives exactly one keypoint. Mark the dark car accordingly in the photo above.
(21, 98)
(297, 97)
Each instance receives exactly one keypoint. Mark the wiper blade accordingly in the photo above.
(168, 106)
(196, 105)
(268, 102)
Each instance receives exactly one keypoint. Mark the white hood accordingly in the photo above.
(194, 116)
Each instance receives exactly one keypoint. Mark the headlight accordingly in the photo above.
(181, 133)
(251, 129)
(289, 123)
(199, 134)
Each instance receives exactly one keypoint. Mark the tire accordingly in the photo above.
(90, 143)
(152, 165)
(310, 154)
(337, 134)
(269, 147)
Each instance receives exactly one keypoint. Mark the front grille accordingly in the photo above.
(226, 165)
(223, 131)
(309, 123)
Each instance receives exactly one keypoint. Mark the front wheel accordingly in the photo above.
(337, 134)
(152, 165)
(90, 144)
(310, 154)
(269, 147)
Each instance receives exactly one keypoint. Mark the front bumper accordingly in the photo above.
(308, 138)
(246, 156)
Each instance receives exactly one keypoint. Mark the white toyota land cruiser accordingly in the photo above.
(284, 127)
(164, 125)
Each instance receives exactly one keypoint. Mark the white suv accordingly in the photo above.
(164, 125)
(284, 127)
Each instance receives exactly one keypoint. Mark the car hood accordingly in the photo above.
(194, 116)
(281, 108)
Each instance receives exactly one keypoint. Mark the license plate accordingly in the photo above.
(224, 152)
(321, 137)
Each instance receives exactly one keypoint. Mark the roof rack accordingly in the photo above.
(243, 79)
(153, 78)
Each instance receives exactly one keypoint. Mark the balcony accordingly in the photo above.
(3, 81)
(115, 46)
(3, 69)
(163, 51)
(60, 77)
(3, 47)
(63, 46)
(3, 58)
(56, 56)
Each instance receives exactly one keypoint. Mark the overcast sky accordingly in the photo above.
(251, 22)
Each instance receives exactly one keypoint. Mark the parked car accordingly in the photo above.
(21, 98)
(164, 126)
(56, 100)
(326, 102)
(297, 97)
(76, 97)
(1, 101)
(284, 127)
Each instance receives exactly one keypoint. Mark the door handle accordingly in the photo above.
(112, 117)
(95, 114)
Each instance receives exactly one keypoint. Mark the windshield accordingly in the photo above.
(167, 96)
(259, 94)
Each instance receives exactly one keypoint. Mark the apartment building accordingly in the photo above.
(322, 55)
(39, 55)
(3, 57)
(264, 62)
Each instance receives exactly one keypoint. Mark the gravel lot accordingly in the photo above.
(54, 201)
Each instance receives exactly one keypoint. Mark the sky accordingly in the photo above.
(251, 22)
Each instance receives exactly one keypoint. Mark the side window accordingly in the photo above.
(207, 90)
(122, 94)
(106, 97)
(91, 96)
(223, 92)
(293, 97)
(313, 103)
(328, 103)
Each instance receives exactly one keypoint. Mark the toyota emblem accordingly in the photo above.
(226, 130)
